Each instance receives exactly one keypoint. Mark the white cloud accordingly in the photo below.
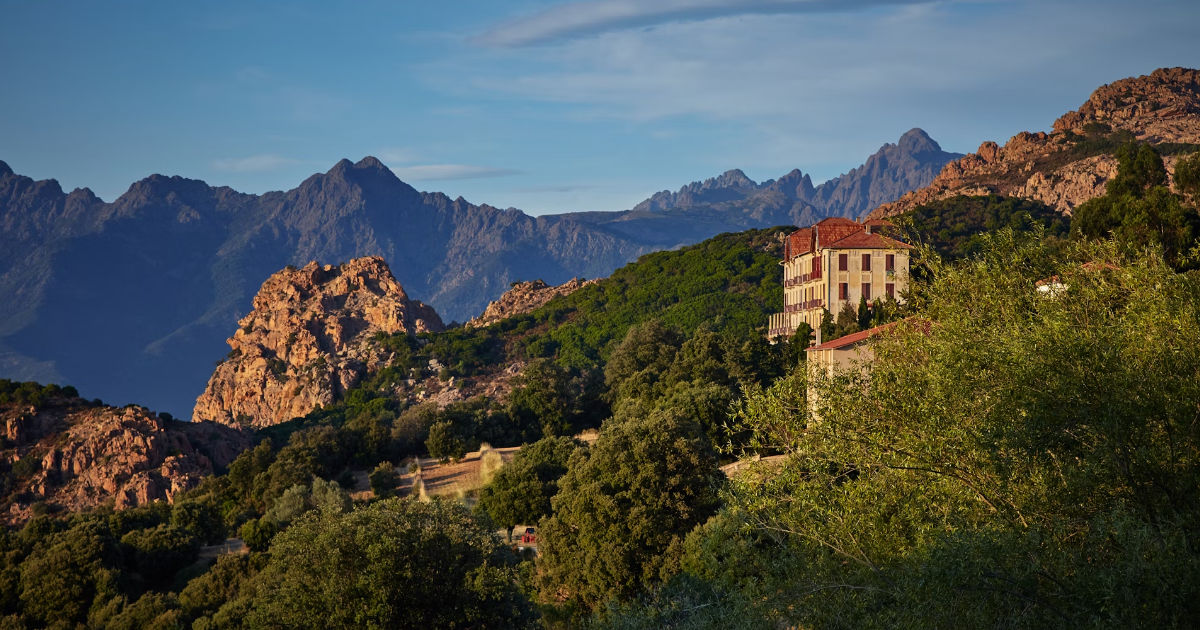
(254, 163)
(823, 90)
(397, 155)
(433, 172)
(600, 16)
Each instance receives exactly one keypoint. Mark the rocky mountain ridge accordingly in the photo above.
(309, 338)
(734, 202)
(1074, 162)
(132, 298)
(68, 454)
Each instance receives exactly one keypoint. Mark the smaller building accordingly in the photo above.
(845, 353)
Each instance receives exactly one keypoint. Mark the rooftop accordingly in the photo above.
(840, 233)
(852, 338)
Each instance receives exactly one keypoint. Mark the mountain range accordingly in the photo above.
(132, 299)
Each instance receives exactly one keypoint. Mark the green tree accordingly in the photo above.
(445, 442)
(847, 322)
(520, 492)
(395, 563)
(61, 580)
(541, 401)
(1023, 460)
(1187, 177)
(257, 533)
(200, 518)
(864, 314)
(1139, 209)
(624, 506)
(161, 551)
(383, 479)
(640, 360)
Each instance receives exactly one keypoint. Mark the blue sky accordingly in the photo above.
(545, 106)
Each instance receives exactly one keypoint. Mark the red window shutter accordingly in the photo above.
(843, 290)
(866, 265)
(866, 290)
(890, 262)
(891, 289)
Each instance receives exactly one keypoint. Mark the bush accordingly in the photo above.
(411, 565)
(383, 479)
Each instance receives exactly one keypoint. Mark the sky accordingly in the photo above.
(540, 105)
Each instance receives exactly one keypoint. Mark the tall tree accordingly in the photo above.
(625, 505)
(395, 563)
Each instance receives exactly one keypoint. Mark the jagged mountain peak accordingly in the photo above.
(373, 163)
(915, 141)
(4, 169)
(368, 172)
(733, 178)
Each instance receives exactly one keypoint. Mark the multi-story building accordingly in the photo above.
(833, 263)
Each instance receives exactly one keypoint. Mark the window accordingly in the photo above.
(890, 262)
(866, 291)
(890, 289)
(866, 266)
(843, 290)
(843, 262)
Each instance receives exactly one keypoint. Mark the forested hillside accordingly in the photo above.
(1012, 456)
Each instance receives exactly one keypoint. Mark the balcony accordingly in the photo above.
(803, 278)
(803, 306)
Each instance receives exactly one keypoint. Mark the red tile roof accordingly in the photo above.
(838, 232)
(799, 242)
(852, 338)
(865, 240)
(832, 230)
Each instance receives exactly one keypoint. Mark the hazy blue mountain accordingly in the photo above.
(133, 299)
(732, 201)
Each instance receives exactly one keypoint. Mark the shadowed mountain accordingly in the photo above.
(734, 202)
(132, 299)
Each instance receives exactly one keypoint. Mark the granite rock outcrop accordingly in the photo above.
(72, 455)
(308, 338)
(524, 297)
(1074, 162)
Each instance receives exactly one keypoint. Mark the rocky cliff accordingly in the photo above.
(73, 455)
(1073, 162)
(524, 297)
(308, 338)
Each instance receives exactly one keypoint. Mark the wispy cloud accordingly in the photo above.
(599, 16)
(254, 163)
(397, 155)
(433, 172)
(560, 188)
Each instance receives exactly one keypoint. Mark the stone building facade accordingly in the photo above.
(834, 263)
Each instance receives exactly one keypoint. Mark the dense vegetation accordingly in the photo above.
(1139, 209)
(1027, 459)
(1012, 456)
(955, 227)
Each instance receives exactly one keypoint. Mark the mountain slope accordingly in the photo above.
(132, 298)
(1073, 162)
